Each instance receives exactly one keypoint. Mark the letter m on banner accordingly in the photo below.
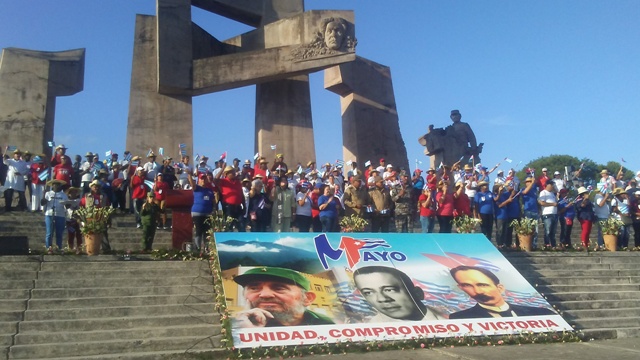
(324, 250)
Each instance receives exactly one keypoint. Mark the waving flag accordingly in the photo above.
(471, 158)
(300, 170)
(623, 160)
(223, 156)
(161, 151)
(127, 157)
(51, 144)
(149, 184)
(273, 147)
(368, 163)
(11, 148)
(508, 160)
(43, 175)
(108, 153)
(197, 159)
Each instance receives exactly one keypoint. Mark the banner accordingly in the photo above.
(306, 288)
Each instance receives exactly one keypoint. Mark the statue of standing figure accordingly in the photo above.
(456, 142)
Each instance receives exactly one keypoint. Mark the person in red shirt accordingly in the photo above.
(232, 196)
(543, 179)
(138, 193)
(444, 198)
(160, 189)
(426, 204)
(261, 168)
(56, 159)
(461, 201)
(63, 171)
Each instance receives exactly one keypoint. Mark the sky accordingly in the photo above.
(532, 78)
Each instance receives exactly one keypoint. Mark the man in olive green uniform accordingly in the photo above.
(355, 197)
(149, 218)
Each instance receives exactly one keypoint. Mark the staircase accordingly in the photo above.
(123, 234)
(596, 292)
(72, 307)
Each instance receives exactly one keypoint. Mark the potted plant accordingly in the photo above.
(466, 224)
(353, 223)
(525, 228)
(219, 222)
(93, 225)
(610, 230)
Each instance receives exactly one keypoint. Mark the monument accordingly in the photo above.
(30, 81)
(456, 142)
(175, 59)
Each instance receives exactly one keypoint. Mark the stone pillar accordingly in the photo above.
(30, 81)
(283, 118)
(370, 127)
(155, 120)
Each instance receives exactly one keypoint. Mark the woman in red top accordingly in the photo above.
(37, 184)
(138, 193)
(444, 199)
(63, 171)
(160, 189)
(461, 201)
(427, 205)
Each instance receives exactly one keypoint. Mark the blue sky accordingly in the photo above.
(532, 78)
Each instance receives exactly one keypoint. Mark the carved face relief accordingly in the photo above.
(334, 35)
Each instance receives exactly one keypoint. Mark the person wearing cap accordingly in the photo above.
(184, 171)
(138, 193)
(60, 152)
(530, 204)
(586, 215)
(279, 165)
(304, 215)
(168, 172)
(461, 201)
(151, 167)
(247, 171)
(432, 180)
(427, 210)
(380, 201)
(401, 196)
(558, 181)
(284, 205)
(37, 184)
(276, 297)
(204, 201)
(160, 188)
(86, 172)
(602, 212)
(231, 195)
(484, 203)
(149, 216)
(621, 210)
(393, 294)
(14, 182)
(566, 215)
(500, 178)
(74, 235)
(355, 197)
(548, 201)
(261, 168)
(543, 179)
(54, 213)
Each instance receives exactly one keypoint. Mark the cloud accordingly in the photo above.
(304, 243)
(251, 248)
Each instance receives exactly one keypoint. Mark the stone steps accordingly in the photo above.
(597, 292)
(79, 307)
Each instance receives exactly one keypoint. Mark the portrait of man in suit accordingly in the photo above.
(484, 286)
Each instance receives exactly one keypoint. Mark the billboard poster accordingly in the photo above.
(308, 288)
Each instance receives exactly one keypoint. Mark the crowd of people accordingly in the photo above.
(260, 195)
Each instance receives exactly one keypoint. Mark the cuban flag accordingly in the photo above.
(471, 158)
(135, 163)
(508, 160)
(300, 170)
(161, 151)
(108, 153)
(149, 153)
(273, 147)
(453, 260)
(197, 159)
(43, 175)
(182, 146)
(51, 144)
(183, 152)
(11, 148)
(127, 157)
(149, 184)
(352, 247)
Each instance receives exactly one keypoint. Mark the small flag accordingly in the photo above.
(51, 144)
(183, 152)
(256, 156)
(197, 158)
(471, 158)
(182, 146)
(135, 163)
(273, 147)
(300, 170)
(223, 156)
(368, 163)
(161, 151)
(518, 164)
(623, 160)
(307, 170)
(581, 165)
(127, 157)
(108, 153)
(441, 165)
(44, 174)
(12, 148)
(418, 161)
(349, 162)
(508, 160)
(339, 162)
(149, 184)
(461, 157)
(149, 153)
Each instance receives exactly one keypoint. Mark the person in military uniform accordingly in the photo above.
(401, 196)
(149, 215)
(276, 297)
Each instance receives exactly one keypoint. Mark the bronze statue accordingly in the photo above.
(456, 142)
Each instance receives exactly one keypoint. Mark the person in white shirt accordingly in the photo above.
(17, 169)
(601, 209)
(54, 213)
(558, 181)
(549, 202)
(151, 167)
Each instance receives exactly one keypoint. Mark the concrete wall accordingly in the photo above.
(370, 124)
(29, 83)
